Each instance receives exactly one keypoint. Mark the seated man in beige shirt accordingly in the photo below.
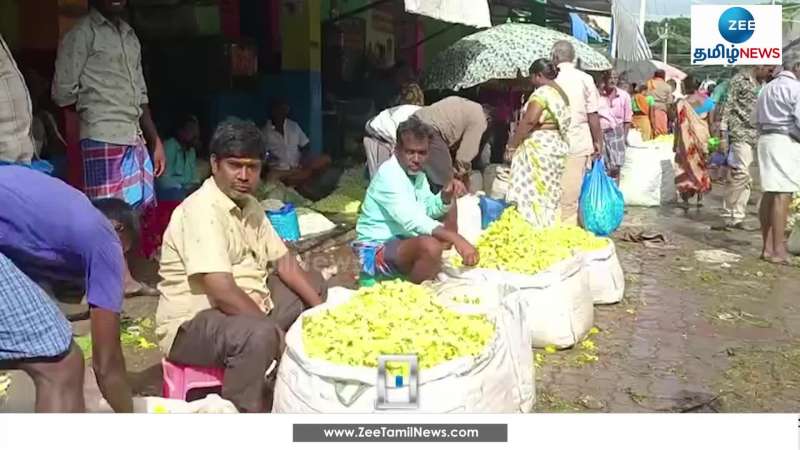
(221, 304)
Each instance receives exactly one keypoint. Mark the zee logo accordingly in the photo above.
(736, 25)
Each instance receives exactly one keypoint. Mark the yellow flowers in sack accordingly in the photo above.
(394, 317)
(511, 244)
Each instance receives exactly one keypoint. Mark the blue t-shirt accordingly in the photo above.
(51, 231)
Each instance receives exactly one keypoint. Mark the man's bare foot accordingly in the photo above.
(783, 260)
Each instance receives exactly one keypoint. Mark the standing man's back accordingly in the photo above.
(459, 125)
(585, 134)
(778, 119)
(743, 137)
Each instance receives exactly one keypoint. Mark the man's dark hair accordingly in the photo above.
(415, 127)
(185, 118)
(690, 85)
(660, 74)
(278, 101)
(121, 212)
(236, 138)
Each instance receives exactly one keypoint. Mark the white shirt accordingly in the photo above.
(384, 125)
(584, 99)
(778, 107)
(285, 148)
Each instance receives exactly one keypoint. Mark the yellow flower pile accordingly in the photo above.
(663, 138)
(347, 198)
(394, 317)
(794, 211)
(337, 203)
(511, 244)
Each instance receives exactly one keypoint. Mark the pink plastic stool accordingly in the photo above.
(179, 379)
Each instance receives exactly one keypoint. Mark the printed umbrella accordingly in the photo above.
(502, 52)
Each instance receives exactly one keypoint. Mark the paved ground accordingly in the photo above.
(689, 336)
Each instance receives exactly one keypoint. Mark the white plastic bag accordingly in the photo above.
(469, 218)
(647, 177)
(496, 178)
(794, 240)
(558, 303)
(311, 222)
(635, 138)
(606, 280)
(498, 380)
(211, 404)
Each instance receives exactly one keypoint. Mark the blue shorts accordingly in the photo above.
(31, 325)
(378, 259)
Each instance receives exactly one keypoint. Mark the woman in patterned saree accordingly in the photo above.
(691, 143)
(538, 149)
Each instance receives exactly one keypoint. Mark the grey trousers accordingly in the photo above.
(244, 346)
(377, 152)
(739, 182)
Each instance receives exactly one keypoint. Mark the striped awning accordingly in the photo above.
(628, 42)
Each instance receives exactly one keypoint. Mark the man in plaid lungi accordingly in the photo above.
(99, 73)
(51, 232)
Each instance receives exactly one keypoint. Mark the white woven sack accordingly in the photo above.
(647, 177)
(557, 300)
(793, 244)
(496, 178)
(606, 280)
(492, 297)
(489, 383)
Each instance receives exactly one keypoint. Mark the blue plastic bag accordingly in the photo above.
(602, 205)
(491, 210)
(285, 222)
(718, 159)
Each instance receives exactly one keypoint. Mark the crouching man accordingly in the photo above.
(230, 287)
(50, 232)
(397, 231)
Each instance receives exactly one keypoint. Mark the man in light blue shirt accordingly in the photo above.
(398, 230)
(777, 116)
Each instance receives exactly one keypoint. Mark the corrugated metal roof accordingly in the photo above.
(603, 6)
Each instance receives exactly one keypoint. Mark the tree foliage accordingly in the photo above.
(680, 32)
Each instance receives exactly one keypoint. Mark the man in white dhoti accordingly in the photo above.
(778, 121)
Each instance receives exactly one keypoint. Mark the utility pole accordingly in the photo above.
(642, 8)
(666, 38)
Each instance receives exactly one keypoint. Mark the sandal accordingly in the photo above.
(744, 227)
(143, 291)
